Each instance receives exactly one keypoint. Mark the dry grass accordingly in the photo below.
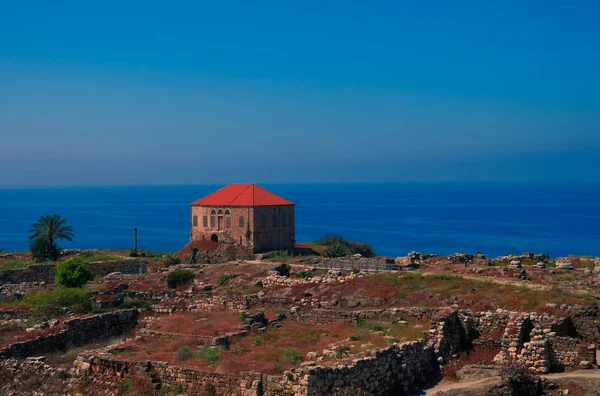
(18, 334)
(274, 351)
(197, 323)
(434, 290)
(476, 356)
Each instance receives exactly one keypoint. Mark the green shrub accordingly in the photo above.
(342, 351)
(85, 381)
(185, 353)
(225, 277)
(243, 316)
(179, 277)
(73, 273)
(336, 250)
(171, 260)
(126, 385)
(238, 349)
(210, 355)
(376, 326)
(48, 304)
(43, 250)
(210, 390)
(257, 340)
(304, 274)
(362, 248)
(291, 355)
(337, 246)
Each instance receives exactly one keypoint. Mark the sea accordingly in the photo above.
(395, 218)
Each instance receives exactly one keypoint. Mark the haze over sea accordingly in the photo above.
(395, 218)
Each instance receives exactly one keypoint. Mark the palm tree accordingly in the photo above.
(50, 228)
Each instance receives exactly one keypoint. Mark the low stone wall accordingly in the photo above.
(76, 332)
(220, 340)
(396, 370)
(7, 314)
(33, 273)
(586, 324)
(546, 343)
(102, 367)
(322, 317)
(123, 266)
(47, 272)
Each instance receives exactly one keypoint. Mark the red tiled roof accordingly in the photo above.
(242, 195)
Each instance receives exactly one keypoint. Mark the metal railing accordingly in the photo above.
(363, 265)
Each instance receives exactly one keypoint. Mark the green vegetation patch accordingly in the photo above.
(337, 246)
(48, 304)
(179, 277)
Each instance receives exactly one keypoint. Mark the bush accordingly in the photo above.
(336, 250)
(73, 273)
(48, 304)
(210, 390)
(243, 316)
(225, 277)
(291, 355)
(185, 353)
(126, 385)
(171, 260)
(210, 355)
(337, 246)
(342, 351)
(178, 278)
(43, 250)
(304, 274)
(257, 340)
(519, 378)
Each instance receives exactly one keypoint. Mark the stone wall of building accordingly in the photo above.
(235, 233)
(546, 343)
(271, 234)
(76, 332)
(271, 227)
(586, 324)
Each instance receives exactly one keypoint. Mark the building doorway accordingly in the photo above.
(214, 238)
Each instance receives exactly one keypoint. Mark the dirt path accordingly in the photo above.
(447, 386)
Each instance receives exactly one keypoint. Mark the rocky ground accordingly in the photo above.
(282, 315)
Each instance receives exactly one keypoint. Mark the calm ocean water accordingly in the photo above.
(395, 219)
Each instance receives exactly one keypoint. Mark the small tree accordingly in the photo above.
(73, 273)
(50, 228)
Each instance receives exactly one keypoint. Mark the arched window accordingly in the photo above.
(213, 212)
(283, 221)
(274, 220)
(220, 211)
(227, 213)
(263, 221)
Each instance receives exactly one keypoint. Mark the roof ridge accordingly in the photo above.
(241, 192)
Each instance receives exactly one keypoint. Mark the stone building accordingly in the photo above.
(245, 214)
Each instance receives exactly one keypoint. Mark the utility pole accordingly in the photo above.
(135, 240)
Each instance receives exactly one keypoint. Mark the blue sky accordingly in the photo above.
(218, 92)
